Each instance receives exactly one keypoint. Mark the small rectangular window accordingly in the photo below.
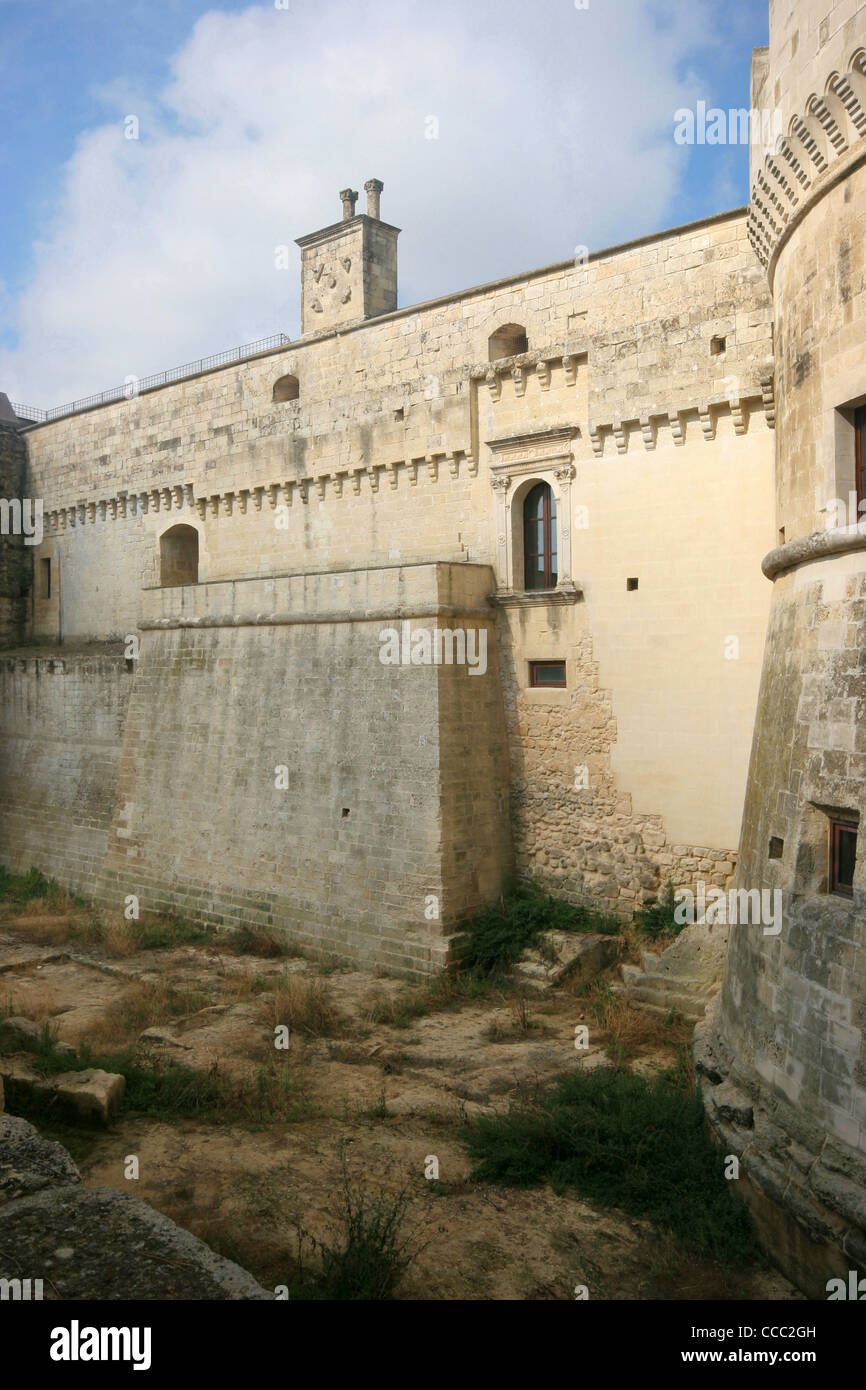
(843, 855)
(45, 579)
(547, 674)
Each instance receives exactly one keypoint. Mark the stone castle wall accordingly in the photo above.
(167, 784)
(387, 457)
(62, 721)
(786, 1076)
(16, 558)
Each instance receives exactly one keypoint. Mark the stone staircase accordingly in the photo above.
(684, 977)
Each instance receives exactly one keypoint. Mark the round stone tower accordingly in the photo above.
(783, 1058)
(15, 557)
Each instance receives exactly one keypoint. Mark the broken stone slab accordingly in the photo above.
(19, 1035)
(99, 1243)
(29, 1163)
(93, 1095)
(559, 954)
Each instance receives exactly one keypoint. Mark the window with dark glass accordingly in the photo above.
(547, 673)
(860, 456)
(539, 538)
(843, 856)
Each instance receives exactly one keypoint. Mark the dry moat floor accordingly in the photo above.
(378, 1078)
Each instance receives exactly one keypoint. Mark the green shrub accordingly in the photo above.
(23, 888)
(622, 1141)
(657, 919)
(162, 933)
(499, 935)
(372, 1254)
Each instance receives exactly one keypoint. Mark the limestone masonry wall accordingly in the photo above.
(275, 771)
(387, 457)
(785, 1077)
(16, 558)
(61, 731)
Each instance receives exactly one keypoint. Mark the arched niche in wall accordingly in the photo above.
(288, 388)
(178, 556)
(508, 341)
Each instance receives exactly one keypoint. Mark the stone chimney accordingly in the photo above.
(349, 269)
(374, 189)
(349, 200)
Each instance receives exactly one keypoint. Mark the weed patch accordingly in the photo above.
(622, 1141)
(497, 937)
(657, 919)
(371, 1253)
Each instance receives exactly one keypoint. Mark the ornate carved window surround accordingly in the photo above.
(519, 462)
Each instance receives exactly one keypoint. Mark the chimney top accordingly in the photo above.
(374, 188)
(349, 198)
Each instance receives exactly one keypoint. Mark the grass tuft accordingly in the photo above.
(371, 1254)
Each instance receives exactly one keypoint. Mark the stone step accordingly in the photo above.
(691, 984)
(690, 1014)
(666, 999)
(631, 974)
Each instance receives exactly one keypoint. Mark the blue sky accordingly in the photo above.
(555, 129)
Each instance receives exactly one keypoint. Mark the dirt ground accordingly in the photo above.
(379, 1089)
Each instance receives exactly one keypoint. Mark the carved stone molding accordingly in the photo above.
(548, 455)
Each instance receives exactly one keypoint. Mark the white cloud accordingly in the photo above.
(555, 129)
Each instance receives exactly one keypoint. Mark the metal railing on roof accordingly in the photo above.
(135, 385)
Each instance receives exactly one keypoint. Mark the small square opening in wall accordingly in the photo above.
(843, 857)
(631, 585)
(718, 346)
(345, 815)
(776, 848)
(549, 675)
(399, 413)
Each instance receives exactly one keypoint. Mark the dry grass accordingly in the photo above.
(144, 1005)
(447, 991)
(630, 1029)
(256, 941)
(24, 1003)
(521, 1025)
(303, 1005)
(39, 924)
